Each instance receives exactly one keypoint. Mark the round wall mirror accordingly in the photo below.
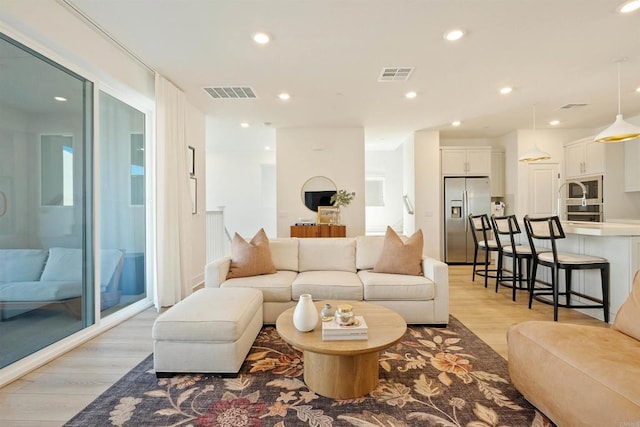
(317, 191)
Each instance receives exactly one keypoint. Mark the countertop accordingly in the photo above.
(601, 228)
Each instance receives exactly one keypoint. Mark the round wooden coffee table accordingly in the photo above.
(344, 369)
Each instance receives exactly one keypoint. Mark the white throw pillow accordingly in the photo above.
(63, 264)
(21, 265)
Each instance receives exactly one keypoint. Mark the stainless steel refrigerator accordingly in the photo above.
(463, 196)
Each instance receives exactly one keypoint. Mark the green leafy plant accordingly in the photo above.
(342, 198)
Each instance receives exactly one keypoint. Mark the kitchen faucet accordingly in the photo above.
(583, 201)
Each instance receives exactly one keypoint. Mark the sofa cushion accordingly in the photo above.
(321, 254)
(628, 317)
(21, 265)
(63, 264)
(341, 285)
(275, 287)
(396, 287)
(368, 250)
(250, 258)
(37, 291)
(284, 253)
(400, 257)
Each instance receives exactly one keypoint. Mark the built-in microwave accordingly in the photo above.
(584, 200)
(590, 187)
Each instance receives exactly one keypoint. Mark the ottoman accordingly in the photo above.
(210, 331)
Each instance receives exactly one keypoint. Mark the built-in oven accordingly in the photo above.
(584, 200)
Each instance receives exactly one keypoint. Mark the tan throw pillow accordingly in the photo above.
(250, 258)
(628, 317)
(400, 257)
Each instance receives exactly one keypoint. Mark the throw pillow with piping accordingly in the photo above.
(250, 258)
(400, 257)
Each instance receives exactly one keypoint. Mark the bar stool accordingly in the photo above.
(480, 225)
(508, 226)
(549, 228)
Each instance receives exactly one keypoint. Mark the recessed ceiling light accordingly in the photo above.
(456, 123)
(506, 90)
(60, 98)
(554, 122)
(267, 148)
(410, 95)
(244, 124)
(284, 96)
(261, 38)
(629, 6)
(454, 35)
(638, 89)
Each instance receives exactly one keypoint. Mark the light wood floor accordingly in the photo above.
(51, 395)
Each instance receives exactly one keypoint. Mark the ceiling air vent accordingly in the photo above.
(228, 92)
(573, 105)
(393, 74)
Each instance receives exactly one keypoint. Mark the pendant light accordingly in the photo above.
(534, 154)
(620, 130)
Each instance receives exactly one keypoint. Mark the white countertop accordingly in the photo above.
(601, 228)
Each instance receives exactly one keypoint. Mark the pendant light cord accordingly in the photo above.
(619, 106)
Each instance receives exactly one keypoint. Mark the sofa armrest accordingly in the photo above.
(216, 272)
(438, 272)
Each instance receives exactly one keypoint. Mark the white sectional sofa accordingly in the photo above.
(340, 269)
(31, 278)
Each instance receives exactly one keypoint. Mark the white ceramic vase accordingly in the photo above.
(305, 315)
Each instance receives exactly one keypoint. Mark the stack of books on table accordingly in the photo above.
(332, 331)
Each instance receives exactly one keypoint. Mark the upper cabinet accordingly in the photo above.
(465, 161)
(497, 173)
(631, 162)
(584, 157)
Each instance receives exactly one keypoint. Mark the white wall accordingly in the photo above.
(408, 183)
(195, 123)
(428, 197)
(386, 164)
(337, 153)
(241, 177)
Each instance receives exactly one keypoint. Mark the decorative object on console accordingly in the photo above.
(328, 214)
(305, 316)
(400, 257)
(341, 198)
(250, 258)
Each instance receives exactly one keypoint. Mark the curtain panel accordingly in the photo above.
(172, 195)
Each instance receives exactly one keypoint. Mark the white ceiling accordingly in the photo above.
(328, 55)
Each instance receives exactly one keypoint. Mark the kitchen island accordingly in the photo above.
(617, 242)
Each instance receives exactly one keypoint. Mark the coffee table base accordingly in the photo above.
(341, 377)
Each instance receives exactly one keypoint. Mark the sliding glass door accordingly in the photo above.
(122, 204)
(46, 199)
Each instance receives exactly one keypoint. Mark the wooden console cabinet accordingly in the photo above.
(320, 230)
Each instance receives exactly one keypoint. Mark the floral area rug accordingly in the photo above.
(433, 377)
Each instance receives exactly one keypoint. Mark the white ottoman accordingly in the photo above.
(212, 330)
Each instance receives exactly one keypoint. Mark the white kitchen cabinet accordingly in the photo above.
(584, 157)
(461, 161)
(631, 165)
(497, 173)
